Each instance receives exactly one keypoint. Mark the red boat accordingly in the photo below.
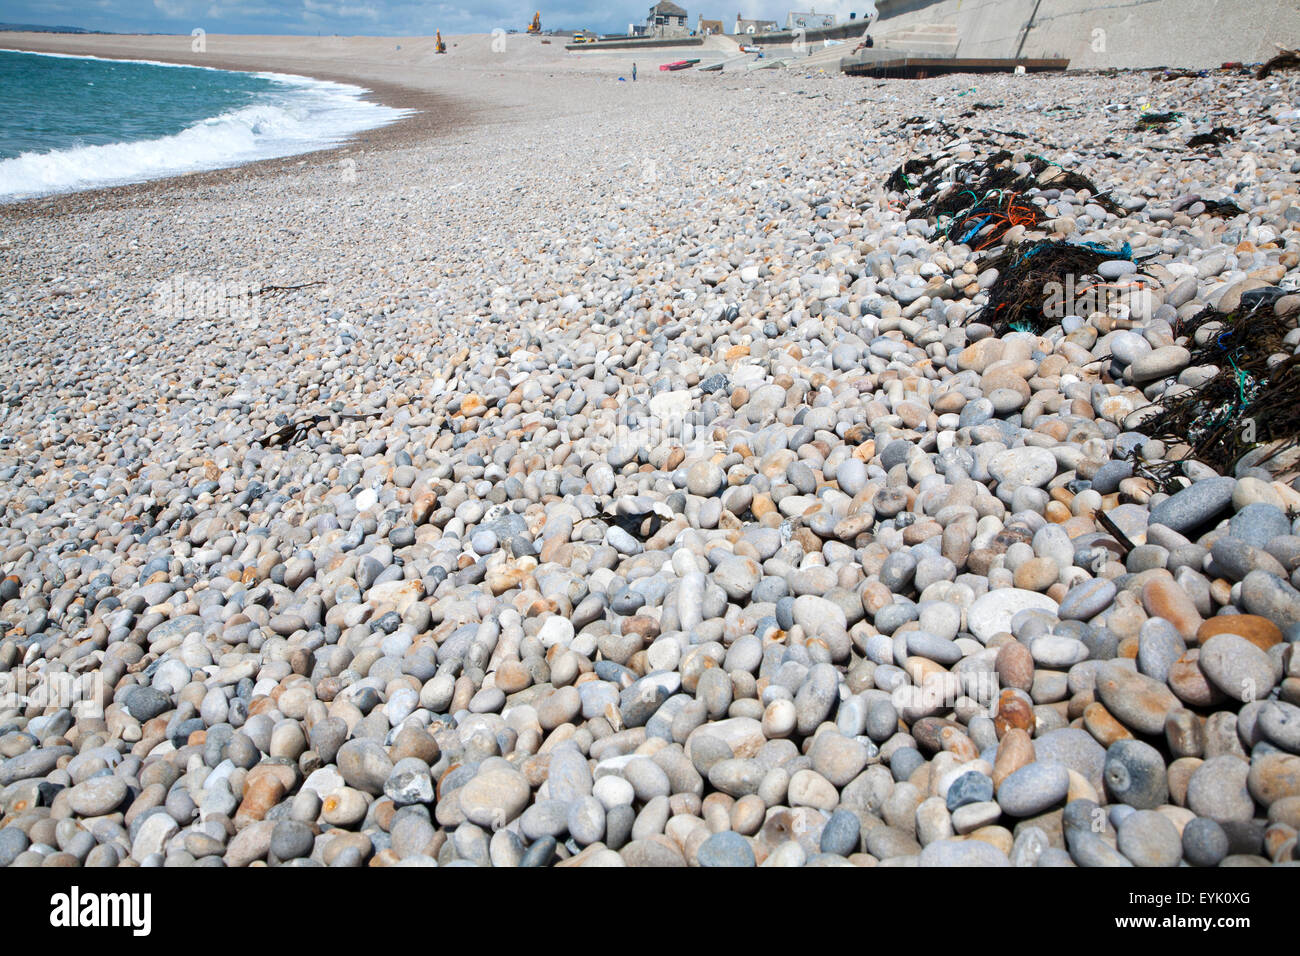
(679, 65)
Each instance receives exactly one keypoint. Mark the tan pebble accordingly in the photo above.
(875, 596)
(1015, 750)
(344, 807)
(1014, 711)
(1036, 574)
(512, 676)
(1180, 774)
(1057, 513)
(286, 773)
(958, 744)
(747, 814)
(1097, 720)
(684, 804)
(1189, 682)
(1221, 591)
(1260, 631)
(1273, 777)
(1184, 733)
(716, 810)
(1286, 810)
(1280, 843)
(994, 835)
(1014, 665)
(1080, 788)
(1164, 597)
(1079, 703)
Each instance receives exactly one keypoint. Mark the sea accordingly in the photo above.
(70, 123)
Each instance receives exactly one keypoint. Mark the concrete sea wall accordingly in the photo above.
(1098, 34)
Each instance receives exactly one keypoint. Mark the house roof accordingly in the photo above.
(667, 10)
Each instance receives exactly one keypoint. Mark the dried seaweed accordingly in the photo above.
(901, 179)
(1156, 121)
(1026, 274)
(292, 432)
(1215, 137)
(1286, 60)
(1223, 208)
(979, 201)
(1114, 530)
(976, 108)
(1008, 133)
(1248, 402)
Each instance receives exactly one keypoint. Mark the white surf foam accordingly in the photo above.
(110, 59)
(298, 116)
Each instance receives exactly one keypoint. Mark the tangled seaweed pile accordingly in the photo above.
(1251, 403)
(1286, 60)
(1029, 272)
(1215, 137)
(1157, 121)
(978, 201)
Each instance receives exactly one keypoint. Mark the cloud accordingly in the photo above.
(236, 10)
(340, 11)
(176, 9)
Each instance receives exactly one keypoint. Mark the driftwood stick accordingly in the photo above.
(1113, 530)
(281, 288)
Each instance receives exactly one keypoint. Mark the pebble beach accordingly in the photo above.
(588, 473)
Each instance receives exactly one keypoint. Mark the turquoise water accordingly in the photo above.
(69, 123)
(52, 103)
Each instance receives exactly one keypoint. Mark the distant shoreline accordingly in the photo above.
(432, 113)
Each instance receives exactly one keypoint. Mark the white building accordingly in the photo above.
(751, 27)
(667, 20)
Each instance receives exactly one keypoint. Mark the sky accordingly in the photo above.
(377, 17)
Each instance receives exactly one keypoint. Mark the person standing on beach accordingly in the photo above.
(633, 72)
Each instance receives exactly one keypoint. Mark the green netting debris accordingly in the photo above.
(1157, 121)
(1250, 406)
(976, 202)
(1031, 274)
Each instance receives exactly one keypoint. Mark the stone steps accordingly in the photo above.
(931, 39)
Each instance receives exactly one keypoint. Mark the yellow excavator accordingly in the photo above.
(439, 46)
(535, 27)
